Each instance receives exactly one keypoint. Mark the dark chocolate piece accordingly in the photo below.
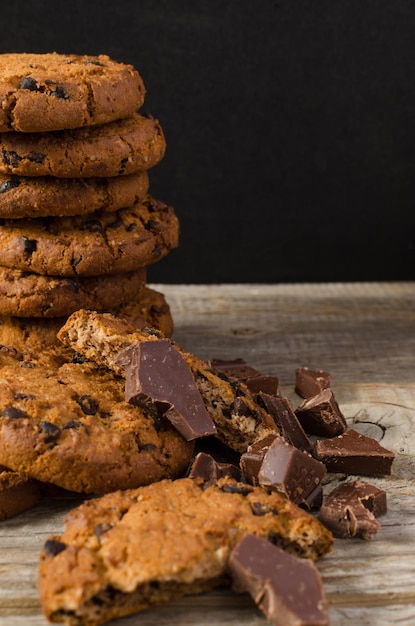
(53, 547)
(50, 431)
(285, 418)
(321, 415)
(240, 370)
(236, 369)
(314, 500)
(209, 470)
(287, 589)
(353, 453)
(280, 466)
(310, 382)
(158, 376)
(251, 460)
(351, 509)
(12, 183)
(88, 405)
(290, 471)
(265, 384)
(13, 413)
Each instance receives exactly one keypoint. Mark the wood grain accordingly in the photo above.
(364, 334)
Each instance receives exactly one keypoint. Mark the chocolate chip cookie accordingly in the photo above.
(43, 196)
(66, 422)
(46, 92)
(239, 419)
(24, 294)
(91, 245)
(34, 334)
(131, 550)
(122, 147)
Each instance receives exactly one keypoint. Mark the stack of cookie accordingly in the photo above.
(78, 227)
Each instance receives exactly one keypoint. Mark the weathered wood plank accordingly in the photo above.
(365, 335)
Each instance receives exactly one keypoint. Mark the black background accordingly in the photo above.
(290, 127)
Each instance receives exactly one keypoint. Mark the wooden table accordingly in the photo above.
(364, 334)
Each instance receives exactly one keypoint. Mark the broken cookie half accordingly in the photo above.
(235, 415)
(130, 550)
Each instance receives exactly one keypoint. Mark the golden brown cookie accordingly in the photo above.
(43, 196)
(24, 294)
(66, 422)
(131, 550)
(97, 244)
(122, 147)
(44, 92)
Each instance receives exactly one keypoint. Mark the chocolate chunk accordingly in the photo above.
(235, 369)
(156, 252)
(321, 415)
(158, 376)
(88, 405)
(10, 157)
(351, 509)
(24, 396)
(36, 157)
(13, 413)
(274, 464)
(260, 509)
(311, 382)
(286, 588)
(59, 92)
(266, 384)
(240, 370)
(209, 470)
(152, 225)
(51, 431)
(240, 407)
(12, 183)
(29, 245)
(123, 164)
(353, 453)
(72, 424)
(290, 471)
(251, 460)
(241, 488)
(53, 547)
(285, 418)
(313, 500)
(147, 447)
(29, 83)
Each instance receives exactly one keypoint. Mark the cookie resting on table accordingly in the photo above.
(66, 422)
(46, 92)
(118, 148)
(44, 196)
(131, 550)
(91, 245)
